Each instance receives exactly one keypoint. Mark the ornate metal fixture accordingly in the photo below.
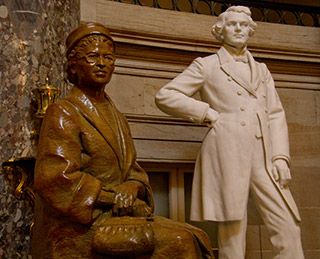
(20, 173)
(46, 95)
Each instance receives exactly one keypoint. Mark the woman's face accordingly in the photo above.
(95, 66)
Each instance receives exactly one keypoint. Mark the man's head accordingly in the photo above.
(234, 26)
(90, 53)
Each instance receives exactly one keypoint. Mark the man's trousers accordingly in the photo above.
(282, 227)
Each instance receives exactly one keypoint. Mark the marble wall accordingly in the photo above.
(32, 35)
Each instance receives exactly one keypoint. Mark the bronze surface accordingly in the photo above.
(86, 170)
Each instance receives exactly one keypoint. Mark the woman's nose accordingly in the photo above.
(101, 61)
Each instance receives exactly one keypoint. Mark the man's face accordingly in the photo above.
(96, 65)
(236, 30)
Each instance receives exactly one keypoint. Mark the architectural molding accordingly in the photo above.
(308, 77)
(191, 32)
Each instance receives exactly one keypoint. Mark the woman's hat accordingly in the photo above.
(85, 30)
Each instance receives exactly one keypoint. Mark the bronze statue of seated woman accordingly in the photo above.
(90, 190)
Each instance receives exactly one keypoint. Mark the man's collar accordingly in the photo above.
(242, 56)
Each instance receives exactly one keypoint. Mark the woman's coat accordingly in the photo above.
(80, 153)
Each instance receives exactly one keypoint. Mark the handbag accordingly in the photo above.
(124, 236)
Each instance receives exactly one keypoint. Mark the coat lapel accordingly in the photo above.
(256, 76)
(95, 118)
(122, 135)
(127, 145)
(228, 66)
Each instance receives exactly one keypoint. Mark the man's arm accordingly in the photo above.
(278, 134)
(175, 98)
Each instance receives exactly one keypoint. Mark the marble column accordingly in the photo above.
(32, 36)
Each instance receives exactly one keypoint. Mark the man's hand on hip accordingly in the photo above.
(211, 117)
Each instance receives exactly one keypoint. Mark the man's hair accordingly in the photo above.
(78, 51)
(217, 28)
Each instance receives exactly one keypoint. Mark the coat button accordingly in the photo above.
(264, 96)
(243, 123)
(239, 93)
(229, 78)
(266, 110)
(242, 108)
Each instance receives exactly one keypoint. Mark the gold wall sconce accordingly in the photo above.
(45, 95)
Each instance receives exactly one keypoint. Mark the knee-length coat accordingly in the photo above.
(246, 109)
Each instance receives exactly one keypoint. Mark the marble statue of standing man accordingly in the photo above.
(246, 150)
